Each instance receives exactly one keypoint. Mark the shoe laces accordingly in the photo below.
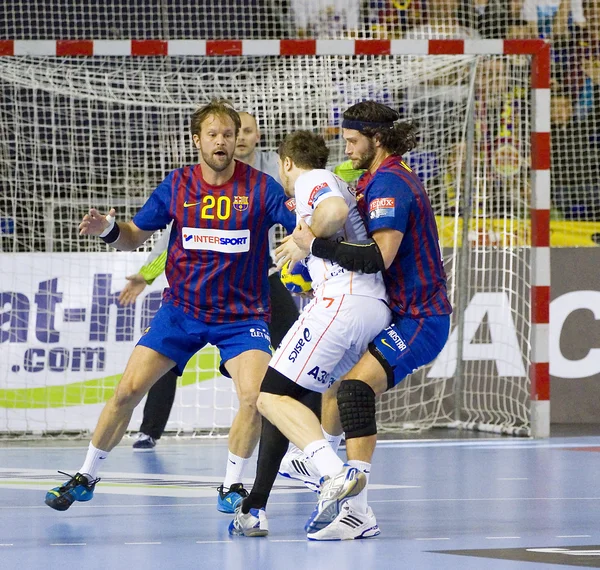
(75, 480)
(235, 488)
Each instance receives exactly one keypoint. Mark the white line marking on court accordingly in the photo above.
(574, 536)
(142, 543)
(513, 478)
(500, 537)
(6, 544)
(68, 544)
(214, 542)
(432, 538)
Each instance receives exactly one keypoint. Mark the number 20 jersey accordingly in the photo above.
(218, 256)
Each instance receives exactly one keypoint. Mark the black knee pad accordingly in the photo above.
(356, 402)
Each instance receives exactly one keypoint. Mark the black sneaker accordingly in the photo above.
(144, 442)
(77, 488)
(227, 502)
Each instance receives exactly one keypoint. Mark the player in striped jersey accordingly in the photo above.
(329, 337)
(217, 269)
(284, 311)
(404, 245)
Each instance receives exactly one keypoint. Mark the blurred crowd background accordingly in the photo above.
(501, 106)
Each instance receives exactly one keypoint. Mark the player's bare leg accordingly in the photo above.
(330, 415)
(356, 401)
(296, 421)
(144, 368)
(247, 371)
(296, 464)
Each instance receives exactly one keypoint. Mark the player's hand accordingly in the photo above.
(288, 251)
(94, 223)
(303, 237)
(136, 284)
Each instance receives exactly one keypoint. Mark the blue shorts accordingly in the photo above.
(407, 344)
(178, 336)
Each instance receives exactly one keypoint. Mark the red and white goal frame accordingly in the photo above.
(537, 50)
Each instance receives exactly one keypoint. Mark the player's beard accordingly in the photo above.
(216, 163)
(364, 161)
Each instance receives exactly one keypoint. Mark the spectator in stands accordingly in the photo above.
(326, 18)
(391, 18)
(441, 21)
(552, 18)
(575, 157)
(493, 18)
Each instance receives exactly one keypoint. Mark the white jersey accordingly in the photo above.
(328, 278)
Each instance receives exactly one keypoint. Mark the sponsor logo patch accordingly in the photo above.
(396, 338)
(291, 204)
(240, 203)
(302, 342)
(317, 192)
(260, 333)
(382, 208)
(226, 241)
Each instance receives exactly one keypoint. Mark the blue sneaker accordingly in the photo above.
(228, 502)
(77, 488)
(253, 523)
(335, 491)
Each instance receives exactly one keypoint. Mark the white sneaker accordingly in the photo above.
(253, 523)
(297, 465)
(335, 492)
(350, 524)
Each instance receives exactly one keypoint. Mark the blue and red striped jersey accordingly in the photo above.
(218, 257)
(395, 198)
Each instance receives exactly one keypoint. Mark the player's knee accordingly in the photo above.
(356, 402)
(129, 392)
(266, 402)
(248, 395)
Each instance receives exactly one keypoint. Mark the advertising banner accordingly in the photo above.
(65, 341)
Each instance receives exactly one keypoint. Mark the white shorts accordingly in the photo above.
(328, 339)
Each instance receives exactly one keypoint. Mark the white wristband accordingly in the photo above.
(111, 224)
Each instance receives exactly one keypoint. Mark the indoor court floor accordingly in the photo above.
(466, 503)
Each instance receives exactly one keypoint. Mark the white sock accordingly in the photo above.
(92, 462)
(324, 458)
(333, 440)
(359, 502)
(234, 471)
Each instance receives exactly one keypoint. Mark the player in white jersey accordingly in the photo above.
(329, 337)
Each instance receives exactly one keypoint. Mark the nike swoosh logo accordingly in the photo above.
(186, 205)
(383, 341)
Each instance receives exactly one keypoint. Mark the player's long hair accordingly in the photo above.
(398, 138)
(218, 108)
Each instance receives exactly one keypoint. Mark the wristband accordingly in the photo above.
(323, 248)
(112, 232)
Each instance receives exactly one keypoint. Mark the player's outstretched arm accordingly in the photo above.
(124, 236)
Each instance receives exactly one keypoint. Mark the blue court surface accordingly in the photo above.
(485, 503)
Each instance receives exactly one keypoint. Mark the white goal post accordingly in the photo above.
(98, 123)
